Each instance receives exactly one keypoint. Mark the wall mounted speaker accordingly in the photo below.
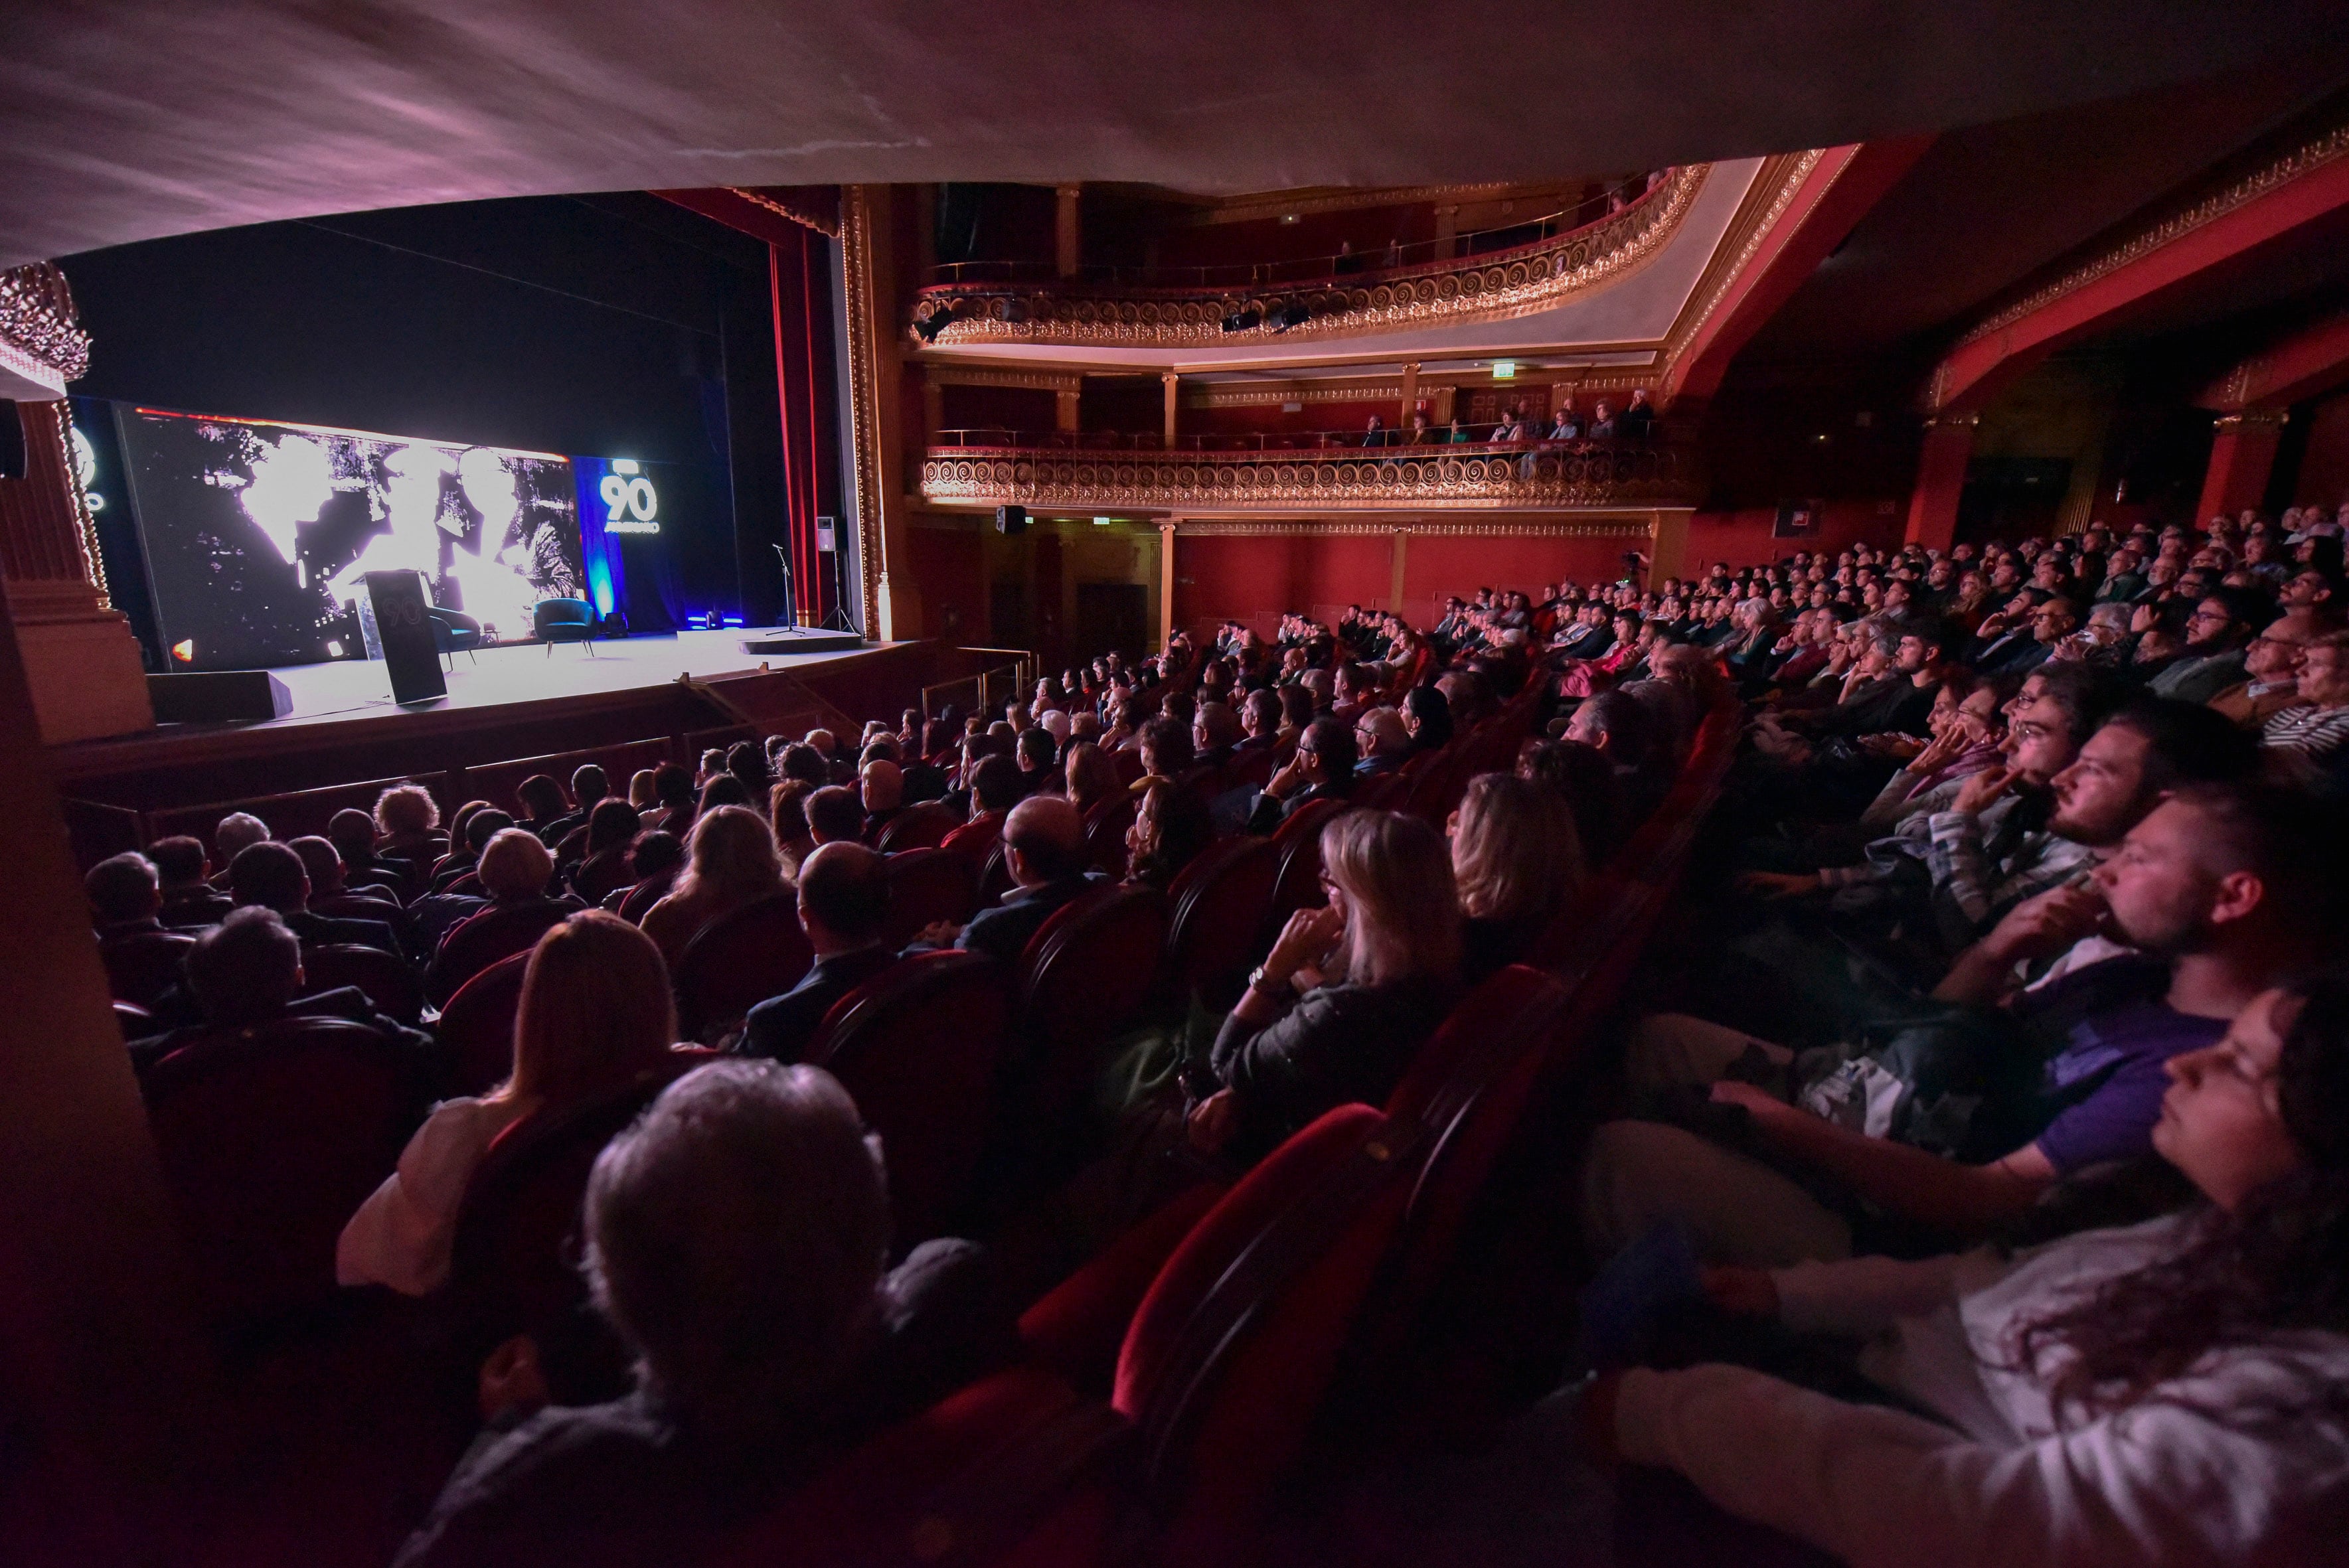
(1011, 519)
(12, 441)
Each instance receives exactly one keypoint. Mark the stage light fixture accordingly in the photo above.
(333, 648)
(184, 650)
(1246, 320)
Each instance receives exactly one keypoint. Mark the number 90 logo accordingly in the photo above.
(626, 499)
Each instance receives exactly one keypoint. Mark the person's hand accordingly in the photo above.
(2047, 924)
(939, 933)
(1777, 884)
(1977, 792)
(1304, 940)
(1747, 1293)
(1938, 751)
(511, 1381)
(1213, 1121)
(1288, 778)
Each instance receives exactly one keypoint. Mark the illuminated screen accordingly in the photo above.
(256, 533)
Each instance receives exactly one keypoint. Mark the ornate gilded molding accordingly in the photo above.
(943, 373)
(863, 396)
(1587, 476)
(1313, 199)
(2252, 418)
(1494, 287)
(1783, 176)
(2302, 160)
(41, 338)
(1259, 397)
(806, 218)
(1615, 528)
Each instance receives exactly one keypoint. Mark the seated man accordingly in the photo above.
(882, 786)
(125, 896)
(994, 787)
(1215, 733)
(844, 898)
(738, 1242)
(247, 970)
(836, 815)
(231, 835)
(2223, 891)
(325, 867)
(272, 875)
(1383, 741)
(1044, 843)
(354, 837)
(187, 899)
(1322, 769)
(463, 858)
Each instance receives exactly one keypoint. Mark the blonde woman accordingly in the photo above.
(731, 860)
(1517, 860)
(1091, 775)
(595, 1015)
(1379, 968)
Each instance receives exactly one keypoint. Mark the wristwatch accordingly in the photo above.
(1258, 982)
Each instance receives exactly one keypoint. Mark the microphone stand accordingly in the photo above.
(790, 618)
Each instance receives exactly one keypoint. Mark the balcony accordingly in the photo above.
(1133, 309)
(1565, 476)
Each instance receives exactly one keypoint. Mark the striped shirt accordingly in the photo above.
(2313, 732)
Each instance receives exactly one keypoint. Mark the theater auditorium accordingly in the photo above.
(1068, 786)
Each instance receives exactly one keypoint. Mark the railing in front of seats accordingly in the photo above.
(1481, 438)
(1564, 476)
(1011, 680)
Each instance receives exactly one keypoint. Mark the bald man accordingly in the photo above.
(882, 785)
(843, 897)
(1044, 840)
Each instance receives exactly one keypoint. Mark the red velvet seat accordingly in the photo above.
(474, 943)
(927, 885)
(646, 893)
(921, 826)
(917, 1047)
(1105, 827)
(476, 1029)
(1229, 1357)
(357, 906)
(1298, 883)
(1219, 904)
(995, 874)
(1250, 769)
(1385, 793)
(976, 839)
(1083, 979)
(143, 966)
(271, 1137)
(390, 982)
(1128, 763)
(135, 1022)
(467, 886)
(738, 960)
(514, 1257)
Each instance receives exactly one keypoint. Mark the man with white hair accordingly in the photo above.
(738, 1242)
(232, 836)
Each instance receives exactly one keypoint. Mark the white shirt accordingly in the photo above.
(402, 1233)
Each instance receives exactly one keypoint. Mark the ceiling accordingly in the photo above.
(124, 119)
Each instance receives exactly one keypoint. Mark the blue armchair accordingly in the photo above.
(454, 631)
(564, 620)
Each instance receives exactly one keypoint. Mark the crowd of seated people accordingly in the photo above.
(2016, 876)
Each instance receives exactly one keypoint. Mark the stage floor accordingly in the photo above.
(530, 672)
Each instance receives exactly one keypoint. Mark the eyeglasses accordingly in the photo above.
(2030, 729)
(2209, 615)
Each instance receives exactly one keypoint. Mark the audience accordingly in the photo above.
(1321, 768)
(272, 875)
(844, 901)
(246, 971)
(1518, 861)
(1044, 844)
(730, 861)
(1170, 828)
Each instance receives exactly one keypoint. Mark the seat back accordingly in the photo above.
(995, 874)
(1218, 908)
(476, 1029)
(1250, 769)
(514, 1257)
(357, 906)
(140, 968)
(393, 985)
(1229, 1357)
(558, 619)
(1105, 827)
(271, 1137)
(1083, 979)
(922, 826)
(646, 893)
(1298, 883)
(488, 936)
(738, 960)
(928, 885)
(917, 1047)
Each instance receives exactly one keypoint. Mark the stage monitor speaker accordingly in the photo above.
(12, 441)
(1011, 519)
(219, 697)
(827, 535)
(408, 652)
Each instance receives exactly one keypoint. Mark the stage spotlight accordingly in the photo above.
(185, 651)
(1294, 313)
(333, 648)
(929, 327)
(1246, 320)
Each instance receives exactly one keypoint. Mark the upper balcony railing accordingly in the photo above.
(1611, 475)
(1530, 272)
(1346, 264)
(1357, 439)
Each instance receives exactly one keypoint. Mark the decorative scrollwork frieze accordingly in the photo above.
(41, 338)
(1583, 477)
(1472, 288)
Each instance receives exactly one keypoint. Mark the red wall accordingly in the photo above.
(1741, 537)
(1436, 566)
(2325, 466)
(949, 567)
(1222, 577)
(1022, 408)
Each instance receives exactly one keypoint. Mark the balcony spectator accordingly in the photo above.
(1636, 422)
(1568, 425)
(1602, 422)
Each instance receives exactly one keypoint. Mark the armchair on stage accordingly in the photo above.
(453, 631)
(564, 620)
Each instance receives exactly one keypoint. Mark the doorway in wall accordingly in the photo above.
(1110, 615)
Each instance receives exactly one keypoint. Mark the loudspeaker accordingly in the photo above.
(1011, 519)
(407, 649)
(219, 697)
(826, 536)
(12, 441)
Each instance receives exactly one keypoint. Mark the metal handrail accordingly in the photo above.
(1020, 676)
(1314, 268)
(998, 437)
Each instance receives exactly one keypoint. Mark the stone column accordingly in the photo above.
(1173, 383)
(1667, 545)
(1064, 408)
(1395, 568)
(2242, 453)
(1067, 231)
(1941, 479)
(1166, 578)
(1410, 393)
(1447, 224)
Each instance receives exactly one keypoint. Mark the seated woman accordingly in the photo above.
(612, 828)
(787, 816)
(658, 858)
(1428, 716)
(1585, 781)
(1170, 828)
(737, 1241)
(1379, 968)
(2173, 1392)
(1091, 777)
(1518, 861)
(594, 1014)
(730, 861)
(516, 869)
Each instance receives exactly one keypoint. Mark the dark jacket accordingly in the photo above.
(1337, 1045)
(1270, 813)
(1003, 931)
(343, 1002)
(322, 930)
(782, 1026)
